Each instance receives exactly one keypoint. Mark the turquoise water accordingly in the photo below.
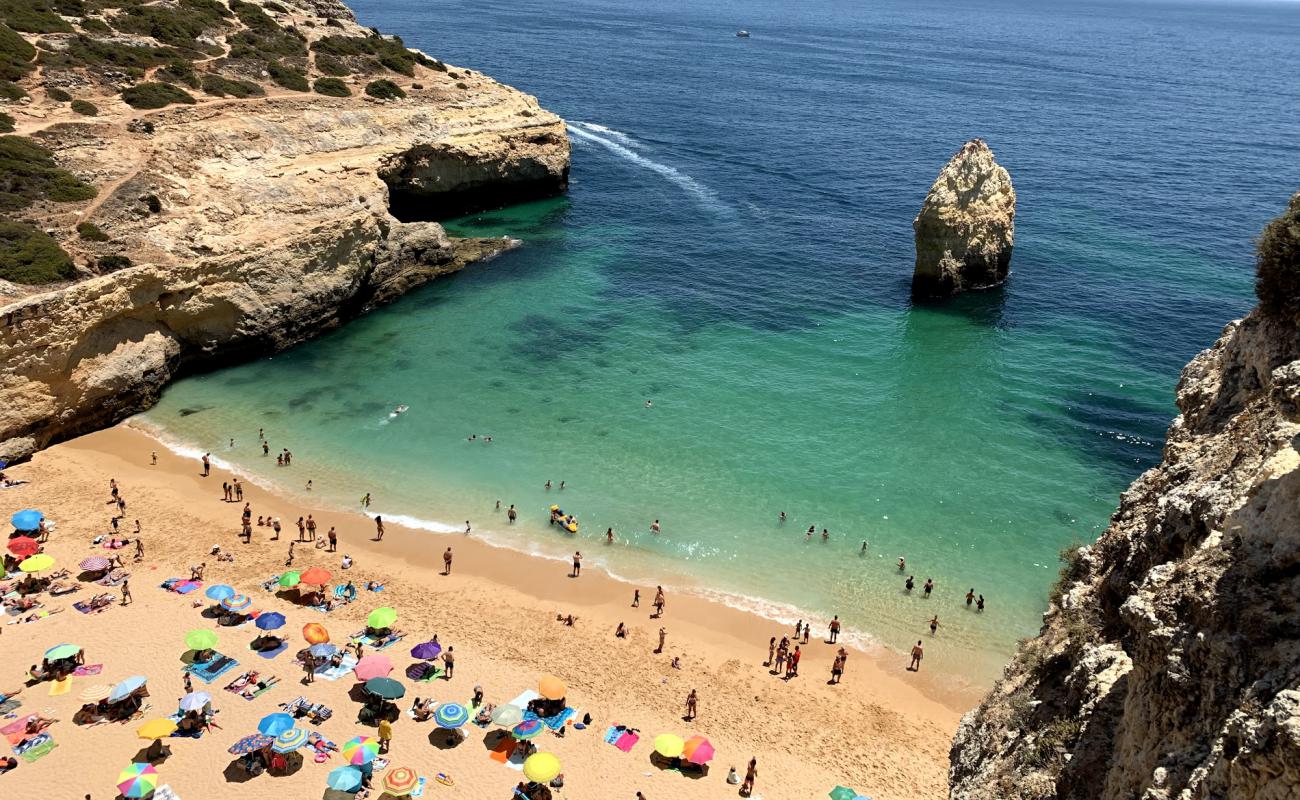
(736, 248)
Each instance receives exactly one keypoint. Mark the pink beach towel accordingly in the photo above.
(86, 670)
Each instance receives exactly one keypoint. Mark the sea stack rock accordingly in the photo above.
(966, 227)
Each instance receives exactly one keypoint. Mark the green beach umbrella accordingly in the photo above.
(843, 793)
(382, 617)
(290, 579)
(200, 639)
(61, 651)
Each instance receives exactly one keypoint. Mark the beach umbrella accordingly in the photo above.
(316, 576)
(669, 745)
(95, 564)
(195, 701)
(426, 651)
(290, 579)
(401, 781)
(137, 780)
(315, 633)
(376, 666)
(382, 617)
(386, 688)
(275, 724)
(236, 602)
(27, 520)
(527, 729)
(845, 793)
(698, 750)
(201, 639)
(61, 651)
(345, 779)
(541, 767)
(322, 650)
(290, 740)
(250, 744)
(450, 715)
(37, 563)
(552, 688)
(156, 729)
(24, 546)
(126, 687)
(270, 621)
(507, 715)
(96, 692)
(219, 592)
(360, 750)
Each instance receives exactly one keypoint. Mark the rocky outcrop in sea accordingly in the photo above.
(966, 227)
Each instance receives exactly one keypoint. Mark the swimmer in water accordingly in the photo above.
(902, 565)
(649, 404)
(864, 546)
(782, 516)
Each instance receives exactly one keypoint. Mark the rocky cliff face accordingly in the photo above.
(966, 227)
(251, 224)
(1169, 662)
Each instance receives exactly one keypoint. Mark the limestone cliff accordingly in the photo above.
(1168, 665)
(250, 223)
(966, 227)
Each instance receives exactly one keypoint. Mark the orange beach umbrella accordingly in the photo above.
(316, 576)
(315, 633)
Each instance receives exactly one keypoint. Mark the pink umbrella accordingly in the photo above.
(698, 750)
(372, 667)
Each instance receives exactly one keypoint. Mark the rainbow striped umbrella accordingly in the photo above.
(137, 780)
(528, 729)
(401, 781)
(450, 715)
(236, 602)
(290, 740)
(360, 750)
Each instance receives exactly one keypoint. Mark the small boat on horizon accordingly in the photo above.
(743, 34)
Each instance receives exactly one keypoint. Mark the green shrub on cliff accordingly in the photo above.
(112, 263)
(29, 173)
(6, 123)
(57, 95)
(85, 108)
(179, 27)
(288, 77)
(219, 86)
(1277, 264)
(332, 87)
(91, 232)
(389, 53)
(384, 89)
(178, 71)
(155, 95)
(29, 255)
(16, 54)
(11, 91)
(95, 25)
(32, 16)
(329, 65)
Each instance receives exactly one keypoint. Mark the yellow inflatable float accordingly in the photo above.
(566, 521)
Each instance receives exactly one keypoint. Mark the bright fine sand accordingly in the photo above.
(882, 731)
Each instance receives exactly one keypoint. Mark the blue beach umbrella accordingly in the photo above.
(27, 519)
(450, 715)
(270, 621)
(275, 724)
(322, 650)
(124, 689)
(344, 779)
(219, 592)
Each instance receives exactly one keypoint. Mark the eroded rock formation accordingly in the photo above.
(251, 224)
(966, 227)
(1169, 662)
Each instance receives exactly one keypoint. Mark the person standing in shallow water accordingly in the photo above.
(970, 597)
(917, 654)
(934, 624)
(929, 587)
(511, 514)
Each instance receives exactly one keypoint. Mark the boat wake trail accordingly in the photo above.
(618, 136)
(701, 192)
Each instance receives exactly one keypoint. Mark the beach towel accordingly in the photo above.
(271, 653)
(60, 687)
(86, 670)
(621, 738)
(115, 579)
(16, 731)
(35, 747)
(334, 673)
(419, 788)
(270, 584)
(424, 673)
(208, 671)
(185, 587)
(9, 705)
(508, 753)
(93, 604)
(165, 792)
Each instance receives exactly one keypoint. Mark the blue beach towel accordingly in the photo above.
(214, 668)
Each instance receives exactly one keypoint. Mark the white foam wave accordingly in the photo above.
(618, 136)
(701, 192)
(786, 615)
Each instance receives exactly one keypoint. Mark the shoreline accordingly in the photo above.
(498, 608)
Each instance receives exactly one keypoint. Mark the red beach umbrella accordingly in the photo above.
(316, 576)
(24, 546)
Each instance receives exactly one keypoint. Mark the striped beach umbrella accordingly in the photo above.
(137, 780)
(382, 617)
(95, 564)
(541, 767)
(450, 715)
(236, 602)
(360, 750)
(344, 779)
(275, 724)
(290, 579)
(24, 546)
(200, 639)
(527, 729)
(37, 563)
(95, 692)
(401, 781)
(61, 651)
(698, 750)
(290, 740)
(219, 591)
(315, 633)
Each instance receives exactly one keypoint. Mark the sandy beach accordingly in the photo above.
(883, 731)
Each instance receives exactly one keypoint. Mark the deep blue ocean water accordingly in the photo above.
(737, 247)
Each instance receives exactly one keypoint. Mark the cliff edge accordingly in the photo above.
(204, 182)
(1168, 665)
(966, 227)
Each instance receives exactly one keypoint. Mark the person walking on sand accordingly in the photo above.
(792, 664)
(139, 549)
(779, 665)
(751, 775)
(379, 528)
(771, 651)
(309, 669)
(275, 526)
(663, 634)
(207, 464)
(834, 629)
(917, 654)
(449, 663)
(446, 561)
(385, 735)
(659, 601)
(692, 705)
(333, 539)
(126, 592)
(153, 458)
(511, 514)
(837, 668)
(288, 562)
(577, 564)
(934, 624)
(467, 528)
(302, 529)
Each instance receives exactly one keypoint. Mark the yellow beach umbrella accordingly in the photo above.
(37, 563)
(669, 745)
(541, 767)
(156, 729)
